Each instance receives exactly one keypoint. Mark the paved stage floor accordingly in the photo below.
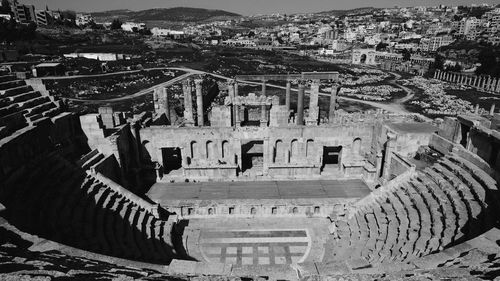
(247, 242)
(166, 192)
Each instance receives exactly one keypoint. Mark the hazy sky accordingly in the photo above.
(245, 7)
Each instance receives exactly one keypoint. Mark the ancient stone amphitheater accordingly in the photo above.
(372, 196)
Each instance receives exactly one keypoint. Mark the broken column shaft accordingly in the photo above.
(300, 104)
(188, 103)
(287, 96)
(199, 102)
(333, 103)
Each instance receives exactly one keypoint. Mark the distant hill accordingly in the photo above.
(180, 14)
(339, 13)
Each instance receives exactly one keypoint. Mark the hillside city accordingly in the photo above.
(201, 144)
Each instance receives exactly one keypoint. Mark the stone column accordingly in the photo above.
(333, 103)
(235, 88)
(476, 109)
(263, 110)
(159, 156)
(492, 109)
(188, 103)
(493, 84)
(287, 94)
(300, 104)
(391, 143)
(263, 116)
(497, 89)
(378, 163)
(230, 90)
(231, 94)
(199, 102)
(267, 156)
(185, 154)
(165, 102)
(237, 121)
(313, 117)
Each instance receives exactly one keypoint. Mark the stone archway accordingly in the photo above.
(364, 56)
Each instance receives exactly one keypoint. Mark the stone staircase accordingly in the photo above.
(445, 204)
(59, 201)
(21, 106)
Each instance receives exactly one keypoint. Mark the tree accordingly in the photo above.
(145, 31)
(69, 15)
(489, 60)
(438, 62)
(5, 8)
(455, 68)
(381, 46)
(116, 24)
(406, 55)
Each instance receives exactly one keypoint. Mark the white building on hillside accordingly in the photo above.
(129, 26)
(167, 32)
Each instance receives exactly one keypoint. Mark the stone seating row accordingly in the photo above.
(18, 98)
(61, 202)
(7, 77)
(440, 206)
(10, 84)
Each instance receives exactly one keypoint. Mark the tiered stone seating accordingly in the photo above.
(60, 201)
(439, 207)
(18, 98)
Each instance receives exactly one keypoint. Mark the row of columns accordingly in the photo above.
(485, 83)
(313, 101)
(187, 88)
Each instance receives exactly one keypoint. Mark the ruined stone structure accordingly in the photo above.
(364, 56)
(392, 61)
(368, 195)
(481, 83)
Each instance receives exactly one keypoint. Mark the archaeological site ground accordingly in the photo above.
(244, 187)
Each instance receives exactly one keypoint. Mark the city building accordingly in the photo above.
(83, 19)
(433, 43)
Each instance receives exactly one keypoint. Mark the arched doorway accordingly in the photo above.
(363, 58)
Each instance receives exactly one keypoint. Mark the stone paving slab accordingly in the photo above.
(167, 192)
(254, 247)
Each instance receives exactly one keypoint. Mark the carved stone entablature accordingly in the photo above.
(252, 100)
